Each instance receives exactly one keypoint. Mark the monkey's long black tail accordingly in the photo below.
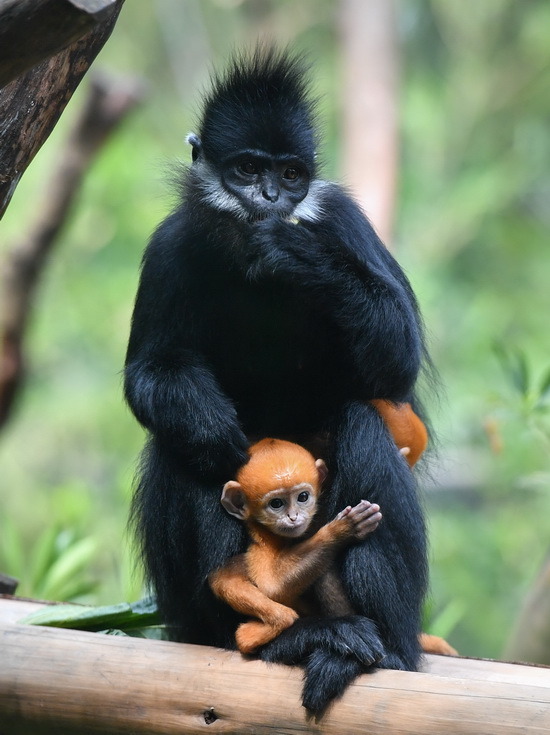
(333, 651)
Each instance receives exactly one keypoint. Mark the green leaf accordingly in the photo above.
(11, 546)
(83, 617)
(544, 392)
(43, 556)
(71, 561)
(151, 632)
(514, 364)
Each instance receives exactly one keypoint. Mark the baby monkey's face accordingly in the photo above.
(288, 511)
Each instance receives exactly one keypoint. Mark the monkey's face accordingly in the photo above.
(266, 185)
(288, 511)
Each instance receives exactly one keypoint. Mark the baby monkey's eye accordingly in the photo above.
(248, 167)
(303, 497)
(276, 503)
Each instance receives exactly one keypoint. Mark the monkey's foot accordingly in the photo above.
(251, 636)
(435, 644)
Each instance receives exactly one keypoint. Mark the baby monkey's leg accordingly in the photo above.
(251, 636)
(233, 586)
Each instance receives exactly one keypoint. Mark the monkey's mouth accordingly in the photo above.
(261, 214)
(296, 529)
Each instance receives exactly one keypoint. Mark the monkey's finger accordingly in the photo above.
(365, 508)
(370, 520)
(366, 527)
(343, 513)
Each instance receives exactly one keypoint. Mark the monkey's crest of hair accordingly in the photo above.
(276, 463)
(261, 102)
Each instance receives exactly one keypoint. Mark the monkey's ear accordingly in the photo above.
(196, 143)
(234, 500)
(322, 470)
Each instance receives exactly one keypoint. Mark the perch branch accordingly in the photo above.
(66, 681)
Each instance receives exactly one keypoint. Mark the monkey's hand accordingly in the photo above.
(279, 246)
(360, 520)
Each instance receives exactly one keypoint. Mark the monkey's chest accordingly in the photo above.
(274, 356)
(262, 332)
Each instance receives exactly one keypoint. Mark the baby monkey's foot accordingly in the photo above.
(362, 519)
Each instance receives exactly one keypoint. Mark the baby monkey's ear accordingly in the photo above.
(234, 501)
(322, 470)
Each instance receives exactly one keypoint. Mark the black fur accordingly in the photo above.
(249, 326)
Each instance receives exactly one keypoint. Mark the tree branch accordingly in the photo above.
(31, 105)
(33, 30)
(107, 104)
(370, 58)
(66, 681)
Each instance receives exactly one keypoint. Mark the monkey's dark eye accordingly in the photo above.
(276, 503)
(303, 497)
(291, 173)
(249, 168)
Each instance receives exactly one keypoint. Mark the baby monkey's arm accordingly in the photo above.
(290, 572)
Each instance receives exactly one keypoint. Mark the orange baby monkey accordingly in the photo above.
(276, 494)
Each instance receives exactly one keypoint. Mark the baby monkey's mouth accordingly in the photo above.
(293, 529)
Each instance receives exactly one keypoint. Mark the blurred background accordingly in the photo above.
(436, 114)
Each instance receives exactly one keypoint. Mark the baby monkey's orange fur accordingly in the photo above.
(407, 429)
(268, 581)
(276, 496)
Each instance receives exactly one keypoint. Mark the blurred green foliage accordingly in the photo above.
(472, 233)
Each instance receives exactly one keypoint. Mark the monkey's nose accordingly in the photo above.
(271, 193)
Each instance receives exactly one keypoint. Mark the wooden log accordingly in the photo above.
(33, 30)
(59, 681)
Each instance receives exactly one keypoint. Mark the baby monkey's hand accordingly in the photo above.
(361, 520)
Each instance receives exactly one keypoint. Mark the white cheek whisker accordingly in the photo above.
(213, 192)
(310, 208)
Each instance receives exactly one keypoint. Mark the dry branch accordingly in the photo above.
(57, 681)
(108, 102)
(33, 30)
(370, 60)
(31, 105)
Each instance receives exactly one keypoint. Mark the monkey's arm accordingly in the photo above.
(342, 267)
(169, 387)
(286, 575)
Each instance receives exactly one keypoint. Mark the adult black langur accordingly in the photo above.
(268, 306)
